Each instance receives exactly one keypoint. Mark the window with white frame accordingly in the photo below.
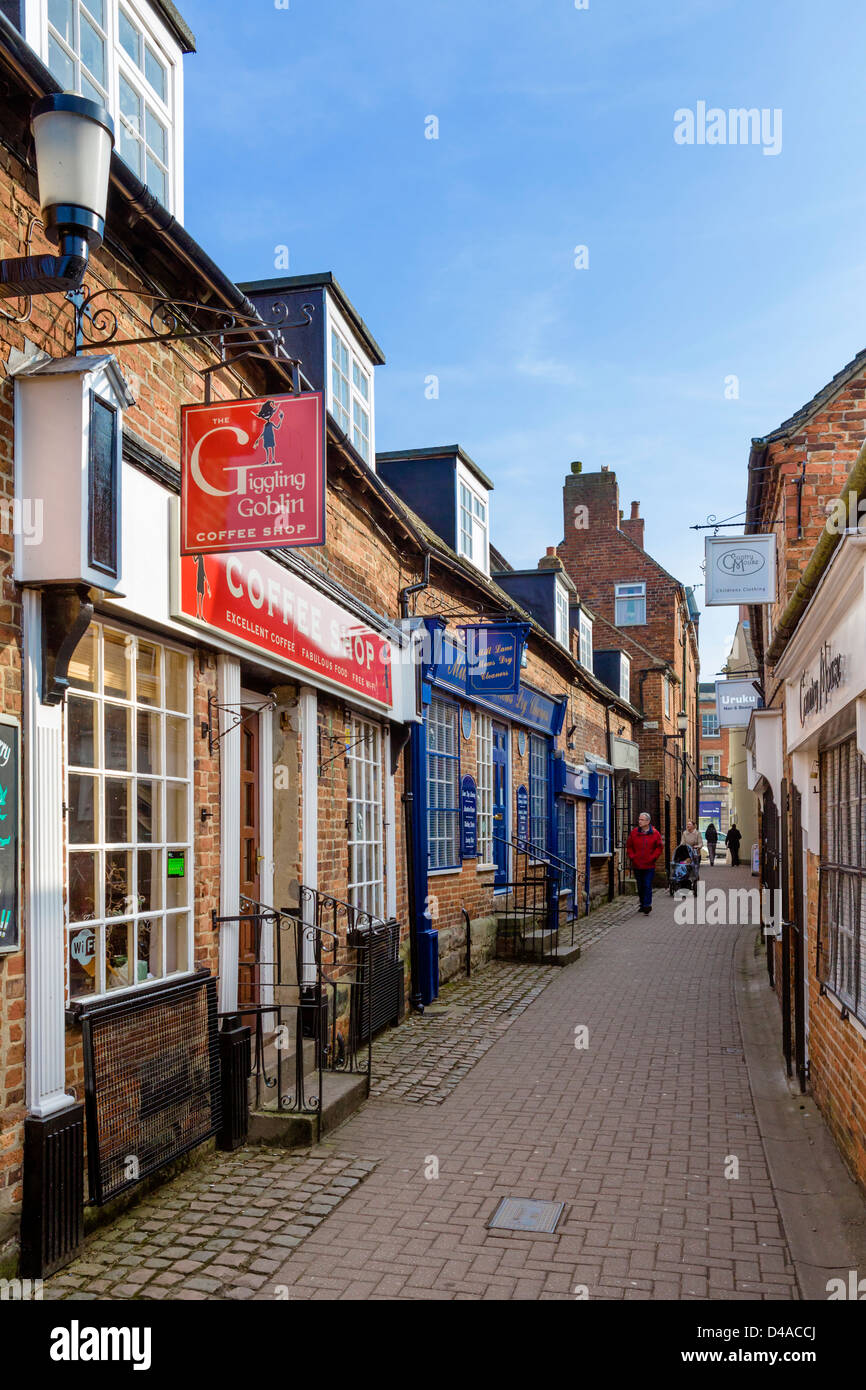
(629, 605)
(484, 749)
(366, 878)
(625, 677)
(710, 726)
(667, 696)
(128, 812)
(538, 791)
(563, 632)
(350, 394)
(600, 825)
(585, 641)
(472, 525)
(109, 52)
(711, 764)
(443, 786)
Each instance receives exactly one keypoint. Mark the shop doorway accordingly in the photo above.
(566, 848)
(249, 952)
(500, 804)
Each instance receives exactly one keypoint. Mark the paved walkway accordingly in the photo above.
(637, 1129)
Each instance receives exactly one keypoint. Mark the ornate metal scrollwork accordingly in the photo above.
(97, 323)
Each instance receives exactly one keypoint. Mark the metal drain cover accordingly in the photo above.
(519, 1214)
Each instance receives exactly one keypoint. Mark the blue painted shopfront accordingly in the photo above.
(436, 841)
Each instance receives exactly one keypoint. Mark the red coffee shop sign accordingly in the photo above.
(261, 604)
(253, 474)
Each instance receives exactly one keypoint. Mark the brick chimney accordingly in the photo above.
(551, 560)
(597, 493)
(633, 528)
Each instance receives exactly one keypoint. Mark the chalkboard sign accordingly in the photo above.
(468, 819)
(10, 771)
(522, 813)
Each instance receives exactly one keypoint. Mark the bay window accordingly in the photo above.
(129, 786)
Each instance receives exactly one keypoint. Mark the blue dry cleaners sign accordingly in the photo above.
(493, 656)
(447, 669)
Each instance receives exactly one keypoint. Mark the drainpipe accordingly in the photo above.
(610, 863)
(416, 1001)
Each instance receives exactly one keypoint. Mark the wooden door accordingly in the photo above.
(248, 953)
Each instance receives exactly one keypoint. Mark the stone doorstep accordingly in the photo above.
(342, 1094)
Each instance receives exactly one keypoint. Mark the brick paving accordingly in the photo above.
(424, 1058)
(633, 1132)
(220, 1230)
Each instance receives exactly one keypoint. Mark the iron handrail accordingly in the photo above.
(528, 847)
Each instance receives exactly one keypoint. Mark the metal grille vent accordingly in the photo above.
(152, 1081)
(386, 995)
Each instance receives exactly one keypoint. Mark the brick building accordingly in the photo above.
(643, 611)
(714, 803)
(806, 764)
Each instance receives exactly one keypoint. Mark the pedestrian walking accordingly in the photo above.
(711, 836)
(692, 837)
(644, 848)
(732, 840)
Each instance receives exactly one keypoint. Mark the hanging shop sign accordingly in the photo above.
(740, 569)
(263, 606)
(493, 655)
(468, 819)
(735, 701)
(710, 810)
(253, 474)
(522, 813)
(10, 773)
(573, 781)
(449, 671)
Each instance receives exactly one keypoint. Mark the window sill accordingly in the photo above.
(839, 1005)
(440, 873)
(485, 868)
(602, 854)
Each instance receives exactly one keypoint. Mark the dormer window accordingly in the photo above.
(472, 523)
(120, 55)
(585, 649)
(625, 677)
(562, 623)
(350, 394)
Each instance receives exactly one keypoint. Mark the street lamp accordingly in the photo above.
(682, 721)
(74, 138)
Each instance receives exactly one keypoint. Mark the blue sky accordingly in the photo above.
(305, 127)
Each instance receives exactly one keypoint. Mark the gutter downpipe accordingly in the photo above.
(611, 866)
(416, 998)
(818, 562)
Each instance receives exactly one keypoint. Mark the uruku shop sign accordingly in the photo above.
(259, 603)
(253, 474)
(816, 687)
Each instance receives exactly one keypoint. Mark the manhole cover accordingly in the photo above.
(518, 1214)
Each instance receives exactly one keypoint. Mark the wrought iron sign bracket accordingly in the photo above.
(210, 726)
(344, 748)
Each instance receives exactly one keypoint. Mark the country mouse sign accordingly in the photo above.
(253, 474)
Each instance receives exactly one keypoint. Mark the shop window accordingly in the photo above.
(630, 605)
(600, 826)
(484, 780)
(443, 786)
(109, 53)
(842, 907)
(128, 813)
(538, 792)
(366, 880)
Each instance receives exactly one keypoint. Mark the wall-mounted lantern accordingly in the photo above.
(74, 138)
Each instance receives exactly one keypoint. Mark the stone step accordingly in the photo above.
(288, 1059)
(342, 1094)
(561, 955)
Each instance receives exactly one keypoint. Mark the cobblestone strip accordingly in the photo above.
(221, 1230)
(424, 1058)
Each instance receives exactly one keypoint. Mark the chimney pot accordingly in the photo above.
(635, 511)
(604, 468)
(577, 466)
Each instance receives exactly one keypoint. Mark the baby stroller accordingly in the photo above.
(684, 870)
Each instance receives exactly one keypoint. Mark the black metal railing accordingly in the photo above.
(531, 926)
(306, 991)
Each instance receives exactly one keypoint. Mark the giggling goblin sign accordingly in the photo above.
(253, 474)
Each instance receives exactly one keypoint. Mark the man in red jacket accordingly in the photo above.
(644, 847)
